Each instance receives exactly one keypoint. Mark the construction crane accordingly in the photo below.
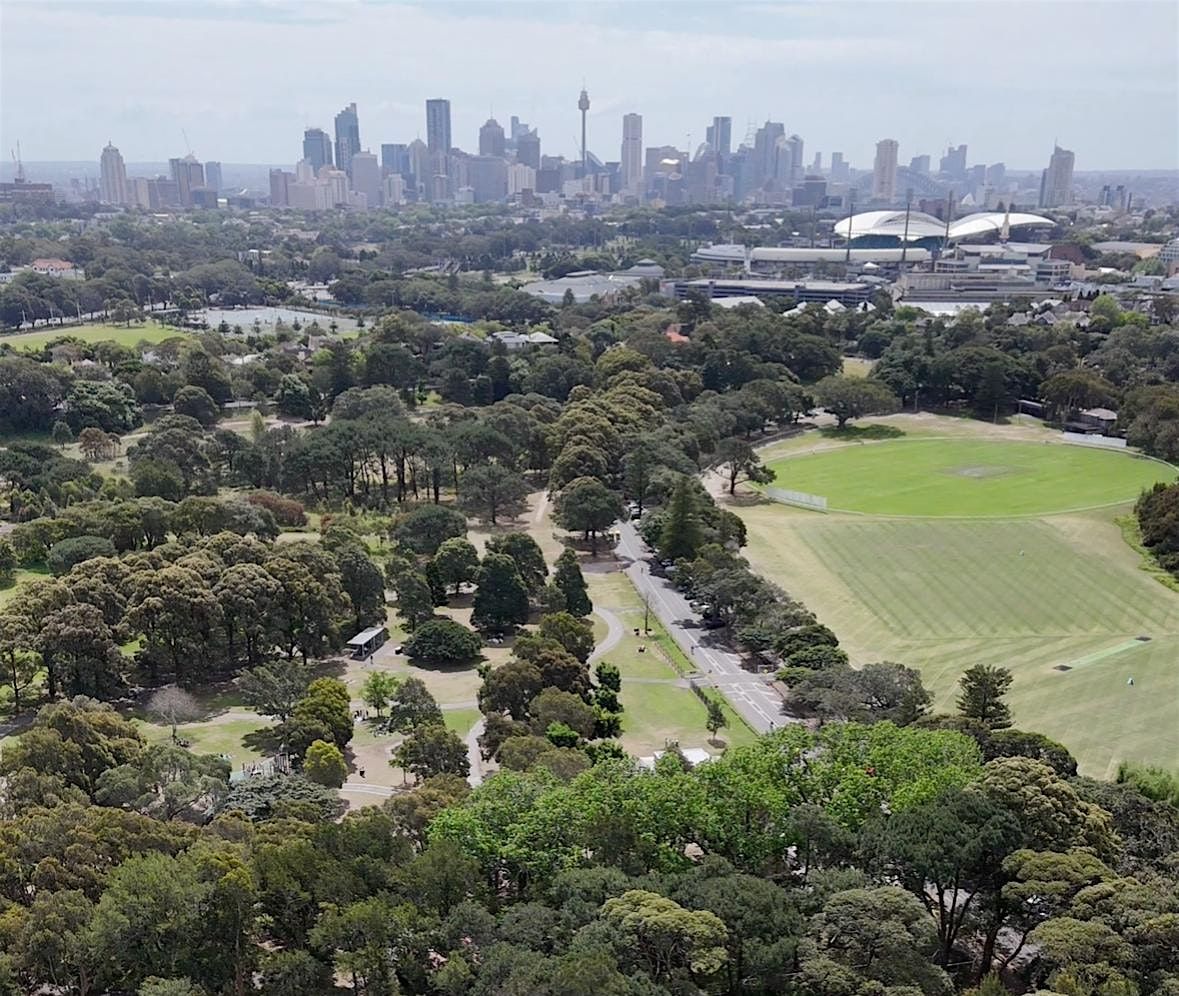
(20, 168)
(186, 142)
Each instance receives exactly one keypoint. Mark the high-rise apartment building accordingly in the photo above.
(438, 126)
(188, 175)
(366, 177)
(631, 162)
(919, 164)
(395, 158)
(528, 149)
(1056, 182)
(280, 181)
(765, 151)
(884, 170)
(213, 176)
(347, 137)
(796, 168)
(112, 184)
(491, 139)
(719, 135)
(317, 148)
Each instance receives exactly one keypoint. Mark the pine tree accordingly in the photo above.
(681, 535)
(983, 688)
(571, 583)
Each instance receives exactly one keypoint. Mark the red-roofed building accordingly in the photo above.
(673, 334)
(56, 268)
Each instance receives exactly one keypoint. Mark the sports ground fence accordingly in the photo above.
(800, 499)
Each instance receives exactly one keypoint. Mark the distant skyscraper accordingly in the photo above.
(794, 145)
(491, 139)
(395, 159)
(765, 151)
(953, 163)
(884, 171)
(213, 176)
(317, 148)
(719, 135)
(840, 171)
(583, 106)
(919, 164)
(1056, 182)
(113, 176)
(528, 149)
(366, 177)
(438, 126)
(188, 175)
(631, 161)
(279, 184)
(347, 138)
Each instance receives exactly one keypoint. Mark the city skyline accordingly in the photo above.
(843, 51)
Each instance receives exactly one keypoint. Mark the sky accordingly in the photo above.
(243, 78)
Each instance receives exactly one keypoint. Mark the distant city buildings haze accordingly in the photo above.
(766, 167)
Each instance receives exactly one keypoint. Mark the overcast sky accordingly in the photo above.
(244, 78)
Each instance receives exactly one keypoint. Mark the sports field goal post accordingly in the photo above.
(800, 499)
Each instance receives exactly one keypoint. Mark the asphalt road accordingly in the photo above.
(749, 694)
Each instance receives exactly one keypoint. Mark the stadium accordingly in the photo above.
(889, 229)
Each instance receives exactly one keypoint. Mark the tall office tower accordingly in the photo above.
(395, 158)
(884, 170)
(213, 176)
(491, 139)
(112, 184)
(317, 148)
(347, 138)
(765, 151)
(1056, 182)
(840, 170)
(366, 177)
(438, 126)
(919, 164)
(188, 175)
(997, 175)
(528, 149)
(795, 146)
(280, 182)
(953, 163)
(719, 135)
(418, 155)
(631, 162)
(583, 106)
(817, 164)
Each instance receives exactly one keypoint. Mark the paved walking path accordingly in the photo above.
(474, 757)
(749, 694)
(614, 632)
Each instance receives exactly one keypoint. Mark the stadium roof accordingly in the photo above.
(891, 224)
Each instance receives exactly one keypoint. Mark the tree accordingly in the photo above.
(456, 562)
(501, 599)
(574, 634)
(62, 433)
(587, 506)
(378, 688)
(173, 706)
(491, 490)
(983, 687)
(432, 750)
(7, 563)
(872, 694)
(569, 581)
(681, 535)
(511, 689)
(293, 397)
(327, 703)
(415, 598)
(854, 397)
(280, 796)
(425, 528)
(274, 689)
(16, 655)
(716, 719)
(737, 460)
(64, 555)
(195, 402)
(443, 643)
(412, 705)
(364, 584)
(526, 552)
(87, 658)
(324, 764)
(666, 938)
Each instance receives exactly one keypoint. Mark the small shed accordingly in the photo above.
(1099, 419)
(364, 643)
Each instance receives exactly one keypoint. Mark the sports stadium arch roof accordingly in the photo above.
(891, 224)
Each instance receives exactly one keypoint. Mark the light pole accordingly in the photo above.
(851, 213)
(905, 240)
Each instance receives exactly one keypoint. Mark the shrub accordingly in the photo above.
(286, 511)
(443, 641)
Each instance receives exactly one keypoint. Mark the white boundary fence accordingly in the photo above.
(1101, 442)
(817, 503)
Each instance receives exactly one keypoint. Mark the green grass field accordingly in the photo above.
(967, 477)
(121, 334)
(1059, 599)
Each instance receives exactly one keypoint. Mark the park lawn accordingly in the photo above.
(228, 733)
(943, 595)
(968, 477)
(21, 577)
(151, 332)
(461, 720)
(857, 366)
